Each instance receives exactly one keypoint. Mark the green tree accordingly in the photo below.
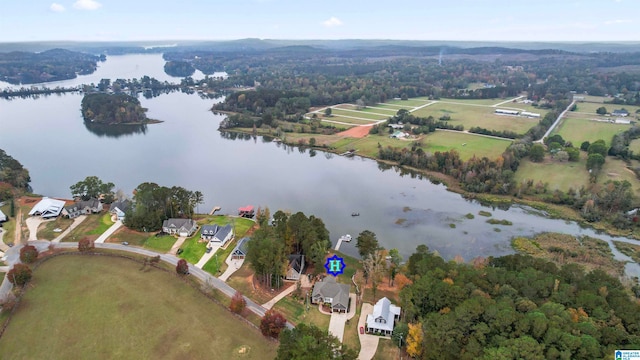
(395, 259)
(266, 256)
(19, 275)
(327, 112)
(595, 162)
(598, 147)
(310, 342)
(601, 110)
(574, 154)
(367, 243)
(585, 145)
(92, 188)
(536, 154)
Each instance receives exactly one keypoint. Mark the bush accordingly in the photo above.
(19, 275)
(28, 254)
(238, 303)
(272, 323)
(182, 267)
(85, 245)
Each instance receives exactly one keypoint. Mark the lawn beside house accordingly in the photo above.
(45, 230)
(92, 227)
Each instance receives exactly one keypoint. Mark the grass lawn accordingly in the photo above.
(486, 102)
(347, 120)
(241, 281)
(133, 237)
(294, 311)
(559, 175)
(80, 307)
(387, 350)
(480, 146)
(469, 115)
(45, 230)
(160, 244)
(590, 107)
(9, 226)
(633, 146)
(193, 249)
(577, 128)
(409, 104)
(92, 227)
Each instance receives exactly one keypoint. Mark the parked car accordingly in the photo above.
(179, 251)
(125, 243)
(361, 329)
(209, 250)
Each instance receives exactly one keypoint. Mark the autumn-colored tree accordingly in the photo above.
(272, 323)
(182, 267)
(19, 275)
(28, 254)
(414, 340)
(85, 245)
(401, 280)
(238, 303)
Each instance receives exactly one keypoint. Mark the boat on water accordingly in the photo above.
(355, 214)
(345, 238)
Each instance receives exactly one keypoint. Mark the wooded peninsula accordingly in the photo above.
(113, 109)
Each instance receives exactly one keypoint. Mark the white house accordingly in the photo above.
(529, 114)
(383, 318)
(47, 208)
(506, 112)
(118, 208)
(3, 217)
(181, 227)
(207, 232)
(399, 135)
(224, 234)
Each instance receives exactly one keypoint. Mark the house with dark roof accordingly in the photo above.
(620, 112)
(84, 207)
(328, 291)
(47, 208)
(295, 267)
(180, 227)
(224, 234)
(240, 251)
(383, 318)
(208, 231)
(118, 208)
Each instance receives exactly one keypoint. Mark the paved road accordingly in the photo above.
(105, 235)
(32, 224)
(368, 343)
(508, 101)
(12, 256)
(555, 123)
(77, 221)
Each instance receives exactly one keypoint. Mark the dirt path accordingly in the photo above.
(356, 132)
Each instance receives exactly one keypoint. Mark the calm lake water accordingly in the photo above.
(50, 138)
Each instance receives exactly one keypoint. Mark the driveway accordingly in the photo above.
(269, 304)
(32, 224)
(176, 245)
(368, 343)
(338, 320)
(77, 221)
(232, 266)
(105, 235)
(207, 256)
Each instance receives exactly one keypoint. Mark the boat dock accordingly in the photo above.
(345, 238)
(215, 208)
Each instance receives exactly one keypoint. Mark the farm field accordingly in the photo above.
(348, 119)
(123, 313)
(482, 116)
(479, 146)
(576, 129)
(590, 108)
(361, 114)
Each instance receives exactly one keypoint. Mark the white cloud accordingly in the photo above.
(55, 7)
(332, 22)
(87, 5)
(617, 21)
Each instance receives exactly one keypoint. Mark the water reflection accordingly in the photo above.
(115, 131)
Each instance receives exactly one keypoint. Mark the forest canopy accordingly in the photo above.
(113, 109)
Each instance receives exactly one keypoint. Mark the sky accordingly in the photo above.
(458, 20)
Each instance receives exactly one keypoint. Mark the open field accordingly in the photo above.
(472, 115)
(480, 146)
(635, 146)
(590, 108)
(123, 313)
(347, 120)
(160, 244)
(360, 114)
(486, 102)
(576, 129)
(45, 230)
(133, 237)
(411, 103)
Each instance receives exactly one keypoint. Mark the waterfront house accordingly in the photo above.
(328, 291)
(224, 234)
(295, 267)
(84, 207)
(181, 227)
(208, 231)
(383, 318)
(118, 208)
(240, 251)
(47, 208)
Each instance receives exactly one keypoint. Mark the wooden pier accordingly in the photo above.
(215, 208)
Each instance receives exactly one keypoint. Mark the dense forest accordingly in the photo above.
(12, 176)
(52, 65)
(179, 68)
(514, 307)
(111, 109)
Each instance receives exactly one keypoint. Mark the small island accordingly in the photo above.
(114, 109)
(179, 68)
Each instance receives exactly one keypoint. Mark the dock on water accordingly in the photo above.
(345, 238)
(215, 208)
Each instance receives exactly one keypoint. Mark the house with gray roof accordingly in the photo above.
(180, 227)
(207, 232)
(118, 208)
(328, 291)
(85, 207)
(295, 267)
(3, 217)
(240, 251)
(224, 234)
(383, 318)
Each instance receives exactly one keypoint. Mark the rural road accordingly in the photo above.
(555, 123)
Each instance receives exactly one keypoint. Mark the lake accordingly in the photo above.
(49, 137)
